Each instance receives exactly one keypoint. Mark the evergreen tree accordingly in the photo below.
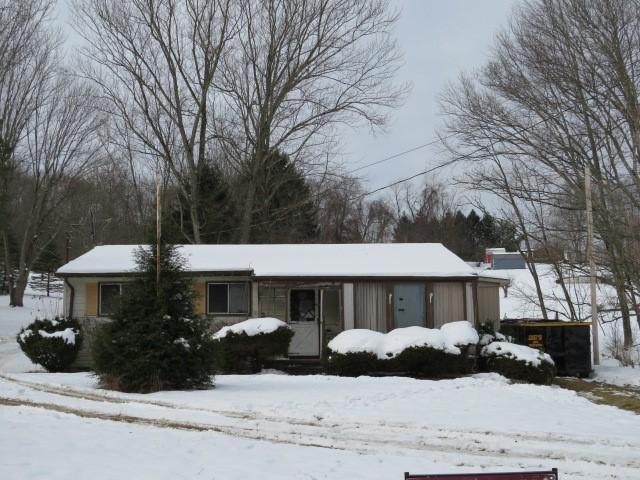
(44, 269)
(288, 213)
(216, 210)
(155, 341)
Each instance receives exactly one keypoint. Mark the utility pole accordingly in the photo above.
(592, 266)
(158, 230)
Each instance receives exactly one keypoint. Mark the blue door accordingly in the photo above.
(409, 304)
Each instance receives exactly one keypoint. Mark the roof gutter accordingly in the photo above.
(71, 296)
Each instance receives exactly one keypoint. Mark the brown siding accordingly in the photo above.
(489, 304)
(371, 306)
(448, 302)
(91, 299)
(201, 298)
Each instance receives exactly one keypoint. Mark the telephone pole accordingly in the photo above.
(592, 267)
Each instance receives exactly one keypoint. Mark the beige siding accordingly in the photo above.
(371, 306)
(89, 326)
(489, 303)
(85, 308)
(91, 299)
(448, 302)
(200, 305)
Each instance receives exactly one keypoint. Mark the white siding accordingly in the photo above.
(349, 320)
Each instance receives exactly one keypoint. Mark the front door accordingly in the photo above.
(303, 319)
(409, 304)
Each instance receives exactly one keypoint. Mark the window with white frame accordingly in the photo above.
(228, 298)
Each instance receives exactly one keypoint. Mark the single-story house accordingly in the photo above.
(318, 289)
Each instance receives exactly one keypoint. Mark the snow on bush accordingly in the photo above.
(518, 362)
(523, 353)
(245, 346)
(487, 338)
(68, 335)
(416, 351)
(251, 327)
(356, 340)
(54, 344)
(390, 345)
(460, 333)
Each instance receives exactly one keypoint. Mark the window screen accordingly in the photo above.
(109, 298)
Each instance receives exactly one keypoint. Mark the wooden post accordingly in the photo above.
(592, 267)
(158, 230)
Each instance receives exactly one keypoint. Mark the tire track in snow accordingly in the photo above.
(358, 437)
(93, 395)
(490, 458)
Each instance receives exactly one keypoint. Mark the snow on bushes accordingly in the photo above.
(244, 346)
(460, 333)
(253, 326)
(54, 344)
(417, 351)
(518, 362)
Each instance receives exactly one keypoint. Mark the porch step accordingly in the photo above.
(297, 366)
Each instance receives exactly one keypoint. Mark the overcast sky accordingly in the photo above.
(439, 39)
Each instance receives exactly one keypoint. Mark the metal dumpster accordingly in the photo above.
(568, 343)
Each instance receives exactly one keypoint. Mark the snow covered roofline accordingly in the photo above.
(379, 260)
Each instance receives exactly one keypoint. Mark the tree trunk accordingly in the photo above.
(247, 215)
(624, 311)
(16, 290)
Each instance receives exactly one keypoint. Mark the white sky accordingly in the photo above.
(439, 39)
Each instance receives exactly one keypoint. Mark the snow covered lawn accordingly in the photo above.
(13, 319)
(271, 426)
(281, 426)
(610, 371)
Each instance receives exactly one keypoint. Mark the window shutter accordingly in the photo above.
(200, 298)
(91, 300)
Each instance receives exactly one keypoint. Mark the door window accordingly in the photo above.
(303, 305)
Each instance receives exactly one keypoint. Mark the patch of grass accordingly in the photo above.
(626, 398)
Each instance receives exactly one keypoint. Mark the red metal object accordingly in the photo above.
(548, 475)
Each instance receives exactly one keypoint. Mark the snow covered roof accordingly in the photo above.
(309, 260)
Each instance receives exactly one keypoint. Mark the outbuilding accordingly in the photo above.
(318, 289)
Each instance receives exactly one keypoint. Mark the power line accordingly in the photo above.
(396, 155)
(396, 182)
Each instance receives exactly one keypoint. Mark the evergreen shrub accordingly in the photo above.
(242, 353)
(53, 344)
(155, 341)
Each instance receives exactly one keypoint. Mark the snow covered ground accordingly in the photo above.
(13, 319)
(54, 426)
(522, 302)
(611, 372)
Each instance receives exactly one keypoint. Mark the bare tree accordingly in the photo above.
(561, 93)
(156, 64)
(58, 147)
(298, 69)
(27, 47)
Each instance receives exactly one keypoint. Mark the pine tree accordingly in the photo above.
(287, 213)
(44, 268)
(155, 341)
(216, 210)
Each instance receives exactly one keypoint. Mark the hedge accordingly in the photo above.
(242, 353)
(542, 374)
(420, 362)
